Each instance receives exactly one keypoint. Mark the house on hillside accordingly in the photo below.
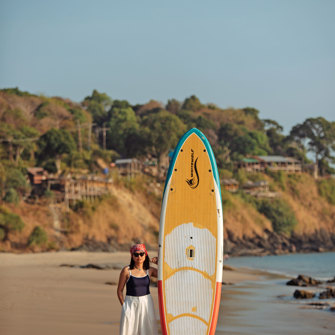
(37, 175)
(230, 185)
(69, 188)
(84, 187)
(259, 189)
(150, 167)
(128, 166)
(38, 178)
(271, 163)
(258, 186)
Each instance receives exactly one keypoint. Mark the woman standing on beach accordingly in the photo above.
(137, 315)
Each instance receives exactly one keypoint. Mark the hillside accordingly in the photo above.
(70, 139)
(131, 213)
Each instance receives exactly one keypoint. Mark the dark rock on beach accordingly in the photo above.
(328, 294)
(226, 283)
(301, 294)
(113, 266)
(112, 283)
(96, 266)
(303, 281)
(228, 268)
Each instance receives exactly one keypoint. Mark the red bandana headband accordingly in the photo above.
(138, 247)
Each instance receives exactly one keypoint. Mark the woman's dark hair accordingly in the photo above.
(146, 264)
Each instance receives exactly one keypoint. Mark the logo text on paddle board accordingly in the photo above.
(193, 182)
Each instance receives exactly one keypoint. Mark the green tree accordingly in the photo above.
(25, 141)
(122, 124)
(318, 135)
(9, 222)
(254, 113)
(191, 120)
(99, 114)
(164, 130)
(79, 115)
(279, 213)
(137, 143)
(121, 104)
(203, 123)
(38, 237)
(17, 140)
(173, 106)
(16, 180)
(11, 196)
(261, 143)
(187, 117)
(54, 144)
(9, 134)
(98, 105)
(192, 103)
(101, 98)
(241, 141)
(246, 145)
(276, 138)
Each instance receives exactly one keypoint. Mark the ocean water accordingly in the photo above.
(267, 306)
(317, 265)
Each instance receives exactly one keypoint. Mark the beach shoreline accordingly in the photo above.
(53, 293)
(49, 293)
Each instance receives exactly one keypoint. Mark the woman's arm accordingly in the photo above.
(122, 282)
(153, 271)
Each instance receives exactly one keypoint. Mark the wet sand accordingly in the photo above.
(255, 307)
(38, 296)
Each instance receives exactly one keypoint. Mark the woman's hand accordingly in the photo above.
(154, 260)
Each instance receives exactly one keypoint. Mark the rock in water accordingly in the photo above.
(304, 281)
(328, 294)
(301, 294)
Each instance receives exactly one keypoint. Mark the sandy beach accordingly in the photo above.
(39, 296)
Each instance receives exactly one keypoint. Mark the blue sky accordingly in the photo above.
(274, 55)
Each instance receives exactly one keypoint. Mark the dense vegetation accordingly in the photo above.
(61, 135)
(58, 131)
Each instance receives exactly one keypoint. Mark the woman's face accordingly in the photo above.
(139, 256)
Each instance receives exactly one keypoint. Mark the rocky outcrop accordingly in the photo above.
(269, 244)
(272, 243)
(304, 281)
(329, 293)
(301, 294)
(319, 241)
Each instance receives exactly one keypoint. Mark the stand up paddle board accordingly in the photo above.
(190, 240)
